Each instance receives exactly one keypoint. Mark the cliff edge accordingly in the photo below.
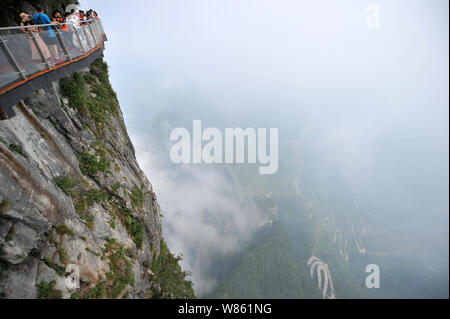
(73, 200)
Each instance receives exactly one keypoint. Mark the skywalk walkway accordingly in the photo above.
(28, 64)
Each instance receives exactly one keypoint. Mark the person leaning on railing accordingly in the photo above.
(57, 17)
(26, 22)
(82, 17)
(74, 22)
(49, 35)
(74, 19)
(67, 34)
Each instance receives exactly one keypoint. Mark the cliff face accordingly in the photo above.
(72, 193)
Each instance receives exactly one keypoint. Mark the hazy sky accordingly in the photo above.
(355, 94)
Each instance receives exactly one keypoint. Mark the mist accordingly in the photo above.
(366, 108)
(204, 214)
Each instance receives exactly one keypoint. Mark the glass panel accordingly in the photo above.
(80, 40)
(64, 42)
(101, 26)
(91, 34)
(51, 46)
(89, 38)
(71, 41)
(85, 39)
(97, 32)
(32, 47)
(8, 74)
(24, 50)
(100, 29)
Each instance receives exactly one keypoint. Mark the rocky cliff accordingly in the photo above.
(73, 198)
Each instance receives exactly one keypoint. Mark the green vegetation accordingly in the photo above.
(47, 291)
(90, 220)
(19, 150)
(169, 275)
(65, 230)
(138, 195)
(90, 164)
(62, 253)
(73, 88)
(100, 69)
(112, 223)
(116, 187)
(119, 276)
(80, 207)
(94, 196)
(265, 270)
(92, 252)
(9, 237)
(60, 270)
(66, 184)
(75, 295)
(92, 95)
(97, 292)
(86, 197)
(103, 102)
(83, 197)
(135, 228)
(5, 206)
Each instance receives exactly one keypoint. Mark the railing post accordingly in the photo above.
(11, 58)
(86, 36)
(96, 28)
(101, 27)
(63, 44)
(36, 43)
(93, 35)
(79, 40)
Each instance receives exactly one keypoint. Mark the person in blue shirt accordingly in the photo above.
(49, 35)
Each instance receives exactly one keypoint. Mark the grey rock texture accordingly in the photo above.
(43, 224)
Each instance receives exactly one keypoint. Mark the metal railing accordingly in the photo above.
(28, 51)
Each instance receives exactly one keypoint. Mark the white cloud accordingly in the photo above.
(204, 213)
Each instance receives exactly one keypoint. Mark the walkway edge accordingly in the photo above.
(14, 95)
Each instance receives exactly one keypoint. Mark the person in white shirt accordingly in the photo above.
(74, 20)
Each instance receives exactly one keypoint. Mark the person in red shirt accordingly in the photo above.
(66, 33)
(57, 17)
(82, 17)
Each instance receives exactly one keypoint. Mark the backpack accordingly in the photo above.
(38, 20)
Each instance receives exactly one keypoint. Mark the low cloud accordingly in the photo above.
(204, 213)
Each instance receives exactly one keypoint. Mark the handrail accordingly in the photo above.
(71, 23)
